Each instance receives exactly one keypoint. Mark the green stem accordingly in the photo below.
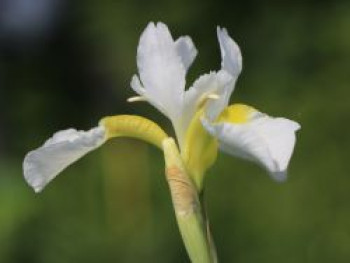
(188, 209)
(210, 239)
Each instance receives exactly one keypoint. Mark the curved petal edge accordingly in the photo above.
(186, 50)
(43, 164)
(231, 57)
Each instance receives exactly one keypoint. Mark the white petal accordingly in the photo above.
(194, 96)
(186, 50)
(231, 57)
(161, 70)
(226, 84)
(264, 140)
(219, 83)
(211, 83)
(65, 147)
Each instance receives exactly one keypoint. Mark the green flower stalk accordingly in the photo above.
(203, 123)
(186, 205)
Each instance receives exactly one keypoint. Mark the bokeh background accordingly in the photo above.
(68, 63)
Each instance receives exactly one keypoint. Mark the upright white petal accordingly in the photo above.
(263, 139)
(186, 50)
(231, 57)
(161, 70)
(221, 83)
(65, 147)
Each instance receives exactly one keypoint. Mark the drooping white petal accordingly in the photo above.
(161, 70)
(43, 164)
(231, 57)
(186, 50)
(263, 139)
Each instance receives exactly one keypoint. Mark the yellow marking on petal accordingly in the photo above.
(236, 113)
(200, 150)
(135, 127)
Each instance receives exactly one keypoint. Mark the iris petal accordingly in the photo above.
(43, 164)
(161, 70)
(262, 139)
(212, 83)
(222, 83)
(186, 50)
(231, 57)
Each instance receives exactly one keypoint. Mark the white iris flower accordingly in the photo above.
(200, 115)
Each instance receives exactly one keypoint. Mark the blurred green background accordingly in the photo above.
(68, 63)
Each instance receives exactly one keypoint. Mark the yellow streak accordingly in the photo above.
(200, 150)
(135, 127)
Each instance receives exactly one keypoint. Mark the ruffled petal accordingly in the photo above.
(231, 57)
(262, 139)
(161, 70)
(186, 50)
(43, 164)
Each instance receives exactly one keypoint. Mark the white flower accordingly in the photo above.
(162, 68)
(162, 64)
